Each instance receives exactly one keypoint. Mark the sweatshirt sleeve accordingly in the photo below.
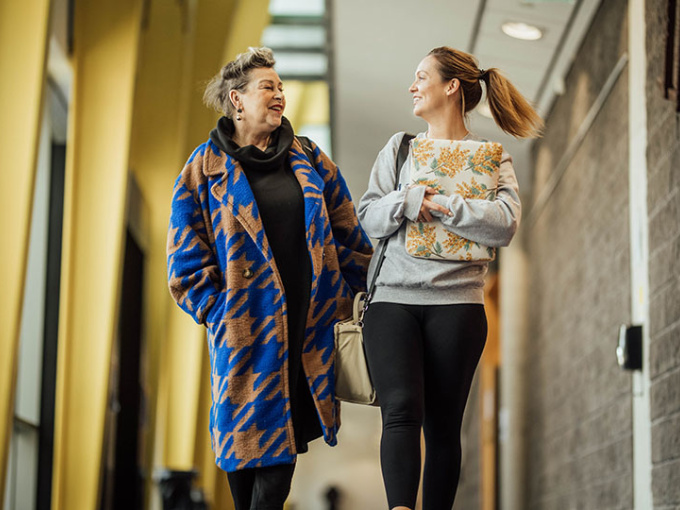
(382, 209)
(488, 222)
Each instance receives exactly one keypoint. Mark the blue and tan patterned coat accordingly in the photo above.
(221, 271)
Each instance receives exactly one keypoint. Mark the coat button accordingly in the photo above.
(247, 273)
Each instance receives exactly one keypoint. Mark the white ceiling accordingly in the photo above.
(377, 45)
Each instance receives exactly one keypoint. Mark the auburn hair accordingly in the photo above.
(510, 110)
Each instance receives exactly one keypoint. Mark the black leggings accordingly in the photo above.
(264, 488)
(422, 360)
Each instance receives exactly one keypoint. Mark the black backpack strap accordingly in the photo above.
(402, 154)
(307, 148)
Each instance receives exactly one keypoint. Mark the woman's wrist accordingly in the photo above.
(413, 201)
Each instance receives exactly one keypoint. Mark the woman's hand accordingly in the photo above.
(428, 206)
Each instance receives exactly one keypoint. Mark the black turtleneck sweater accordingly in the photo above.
(280, 202)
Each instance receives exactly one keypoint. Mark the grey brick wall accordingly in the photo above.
(579, 413)
(663, 200)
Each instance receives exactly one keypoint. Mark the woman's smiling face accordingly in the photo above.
(428, 89)
(263, 101)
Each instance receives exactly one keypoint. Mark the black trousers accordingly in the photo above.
(422, 360)
(264, 488)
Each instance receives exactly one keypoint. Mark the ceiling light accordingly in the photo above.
(522, 31)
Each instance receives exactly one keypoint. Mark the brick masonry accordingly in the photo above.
(663, 200)
(579, 406)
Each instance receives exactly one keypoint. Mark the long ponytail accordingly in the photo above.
(510, 110)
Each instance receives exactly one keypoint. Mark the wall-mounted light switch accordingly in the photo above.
(629, 349)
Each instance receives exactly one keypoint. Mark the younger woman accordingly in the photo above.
(426, 327)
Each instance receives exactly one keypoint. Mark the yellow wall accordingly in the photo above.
(245, 27)
(106, 34)
(307, 103)
(139, 69)
(23, 42)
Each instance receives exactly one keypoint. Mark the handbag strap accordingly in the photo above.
(401, 159)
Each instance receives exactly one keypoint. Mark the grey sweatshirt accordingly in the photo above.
(411, 280)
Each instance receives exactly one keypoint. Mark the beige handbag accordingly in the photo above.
(352, 377)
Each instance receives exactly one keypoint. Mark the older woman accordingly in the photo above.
(426, 327)
(266, 251)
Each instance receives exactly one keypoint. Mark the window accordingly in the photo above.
(298, 36)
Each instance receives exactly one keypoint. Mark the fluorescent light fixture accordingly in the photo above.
(520, 30)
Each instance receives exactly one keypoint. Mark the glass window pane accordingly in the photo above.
(294, 36)
(27, 467)
(301, 64)
(29, 376)
(297, 7)
(22, 474)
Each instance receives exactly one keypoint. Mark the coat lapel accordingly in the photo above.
(312, 188)
(310, 181)
(233, 191)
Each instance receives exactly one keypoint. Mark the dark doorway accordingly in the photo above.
(124, 480)
(51, 328)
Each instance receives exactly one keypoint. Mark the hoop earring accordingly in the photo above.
(239, 112)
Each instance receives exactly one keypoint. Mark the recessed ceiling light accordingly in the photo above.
(520, 30)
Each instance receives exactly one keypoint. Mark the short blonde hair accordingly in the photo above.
(235, 76)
